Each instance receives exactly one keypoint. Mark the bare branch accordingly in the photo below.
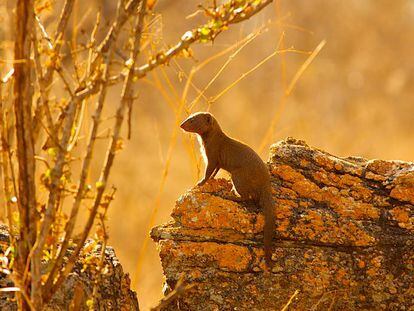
(125, 97)
(40, 80)
(5, 164)
(23, 92)
(56, 173)
(122, 18)
(44, 33)
(88, 157)
(57, 44)
(104, 241)
(70, 225)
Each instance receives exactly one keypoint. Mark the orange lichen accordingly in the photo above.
(201, 210)
(282, 226)
(284, 205)
(342, 276)
(329, 179)
(318, 275)
(324, 161)
(286, 192)
(258, 255)
(372, 176)
(402, 216)
(404, 189)
(380, 167)
(338, 166)
(225, 256)
(348, 180)
(348, 207)
(215, 185)
(287, 173)
(372, 271)
(323, 227)
(376, 261)
(307, 189)
(283, 211)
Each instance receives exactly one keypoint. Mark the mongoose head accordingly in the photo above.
(200, 123)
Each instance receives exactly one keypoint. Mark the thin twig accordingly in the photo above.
(245, 74)
(180, 289)
(104, 242)
(164, 174)
(250, 38)
(68, 88)
(290, 300)
(288, 91)
(57, 44)
(304, 66)
(44, 33)
(42, 86)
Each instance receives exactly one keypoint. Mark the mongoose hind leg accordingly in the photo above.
(234, 196)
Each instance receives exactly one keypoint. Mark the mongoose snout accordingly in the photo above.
(199, 123)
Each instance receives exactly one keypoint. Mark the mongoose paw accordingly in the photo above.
(233, 197)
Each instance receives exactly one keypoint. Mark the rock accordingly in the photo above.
(113, 293)
(344, 238)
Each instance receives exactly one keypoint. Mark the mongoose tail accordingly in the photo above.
(266, 203)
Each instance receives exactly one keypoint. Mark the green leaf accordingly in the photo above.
(217, 24)
(48, 173)
(204, 34)
(89, 303)
(99, 184)
(205, 31)
(52, 151)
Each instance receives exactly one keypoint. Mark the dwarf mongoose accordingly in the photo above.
(249, 174)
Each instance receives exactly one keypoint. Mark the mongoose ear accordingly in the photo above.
(209, 119)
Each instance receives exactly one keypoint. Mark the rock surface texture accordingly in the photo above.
(344, 238)
(113, 290)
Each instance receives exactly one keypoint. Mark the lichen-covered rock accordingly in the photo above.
(344, 238)
(113, 288)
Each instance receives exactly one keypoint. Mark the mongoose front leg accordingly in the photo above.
(209, 171)
(234, 196)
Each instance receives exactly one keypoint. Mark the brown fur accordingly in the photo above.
(249, 174)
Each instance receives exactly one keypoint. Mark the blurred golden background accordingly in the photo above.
(355, 98)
